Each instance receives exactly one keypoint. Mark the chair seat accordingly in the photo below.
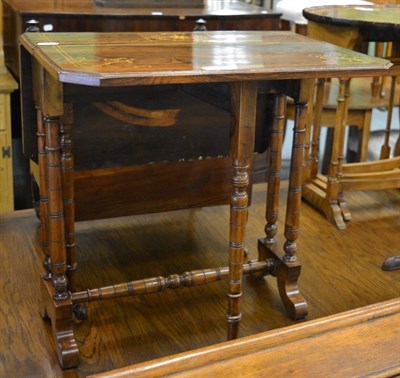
(361, 98)
(361, 104)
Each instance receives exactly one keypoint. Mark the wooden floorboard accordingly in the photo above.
(341, 271)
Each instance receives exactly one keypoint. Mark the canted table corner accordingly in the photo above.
(61, 68)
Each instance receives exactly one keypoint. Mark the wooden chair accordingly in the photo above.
(361, 103)
(360, 107)
(326, 192)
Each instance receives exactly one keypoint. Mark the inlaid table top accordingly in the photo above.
(124, 59)
(370, 18)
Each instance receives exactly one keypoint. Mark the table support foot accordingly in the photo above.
(287, 274)
(334, 214)
(60, 315)
(344, 207)
(335, 211)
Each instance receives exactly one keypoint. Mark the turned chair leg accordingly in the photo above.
(385, 149)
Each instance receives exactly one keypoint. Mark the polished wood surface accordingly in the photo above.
(131, 330)
(375, 22)
(126, 59)
(151, 3)
(345, 344)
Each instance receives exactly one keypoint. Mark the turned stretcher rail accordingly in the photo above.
(174, 281)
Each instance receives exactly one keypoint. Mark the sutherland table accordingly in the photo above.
(62, 69)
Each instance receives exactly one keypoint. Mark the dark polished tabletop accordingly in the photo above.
(376, 22)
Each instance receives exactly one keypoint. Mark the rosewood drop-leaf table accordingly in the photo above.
(61, 70)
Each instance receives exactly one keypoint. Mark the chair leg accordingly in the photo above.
(341, 200)
(365, 135)
(333, 211)
(385, 150)
(316, 133)
(397, 148)
(376, 81)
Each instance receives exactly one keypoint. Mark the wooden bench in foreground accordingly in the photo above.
(361, 342)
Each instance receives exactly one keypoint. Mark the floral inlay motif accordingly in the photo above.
(98, 62)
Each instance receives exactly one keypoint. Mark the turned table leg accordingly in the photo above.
(288, 273)
(286, 267)
(316, 129)
(43, 204)
(307, 161)
(56, 228)
(244, 99)
(57, 303)
(274, 171)
(343, 117)
(67, 170)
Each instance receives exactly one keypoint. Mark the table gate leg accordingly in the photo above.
(244, 99)
(57, 302)
(43, 198)
(341, 200)
(287, 269)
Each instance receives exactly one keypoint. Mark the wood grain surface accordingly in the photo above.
(361, 342)
(125, 59)
(341, 271)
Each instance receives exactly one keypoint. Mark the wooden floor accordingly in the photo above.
(341, 271)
